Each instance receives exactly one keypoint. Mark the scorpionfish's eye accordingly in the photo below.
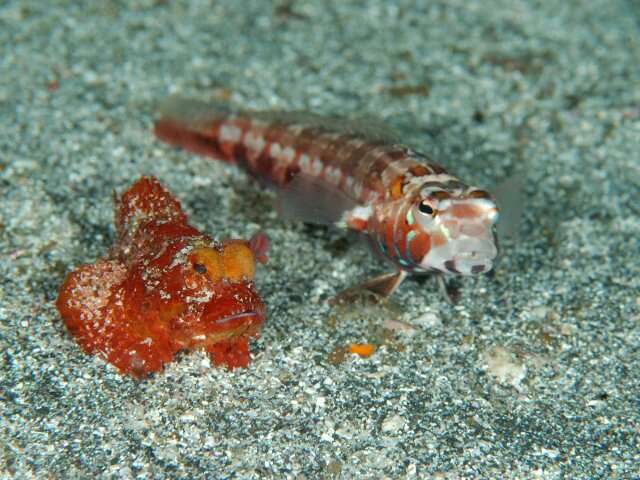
(426, 208)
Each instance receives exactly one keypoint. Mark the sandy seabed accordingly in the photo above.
(533, 373)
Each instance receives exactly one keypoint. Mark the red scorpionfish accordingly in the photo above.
(164, 287)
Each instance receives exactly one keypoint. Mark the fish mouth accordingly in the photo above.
(472, 261)
(246, 323)
(237, 318)
(464, 256)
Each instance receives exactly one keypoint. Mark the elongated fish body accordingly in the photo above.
(331, 171)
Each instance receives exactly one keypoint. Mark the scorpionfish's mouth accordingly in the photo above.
(243, 320)
(239, 319)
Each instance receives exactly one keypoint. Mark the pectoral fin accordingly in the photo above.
(313, 200)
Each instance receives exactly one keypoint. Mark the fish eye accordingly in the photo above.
(425, 208)
(200, 268)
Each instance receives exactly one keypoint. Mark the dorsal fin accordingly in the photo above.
(197, 114)
(193, 114)
(370, 129)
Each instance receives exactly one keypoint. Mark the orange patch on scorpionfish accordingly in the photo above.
(164, 287)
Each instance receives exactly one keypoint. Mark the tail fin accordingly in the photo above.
(192, 125)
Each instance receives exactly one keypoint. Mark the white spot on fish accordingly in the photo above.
(362, 212)
(275, 150)
(317, 166)
(254, 142)
(288, 154)
(230, 133)
(333, 175)
(305, 163)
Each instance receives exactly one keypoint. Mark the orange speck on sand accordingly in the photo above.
(362, 349)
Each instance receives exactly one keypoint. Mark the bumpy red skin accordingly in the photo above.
(148, 300)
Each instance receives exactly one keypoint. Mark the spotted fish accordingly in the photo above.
(331, 171)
